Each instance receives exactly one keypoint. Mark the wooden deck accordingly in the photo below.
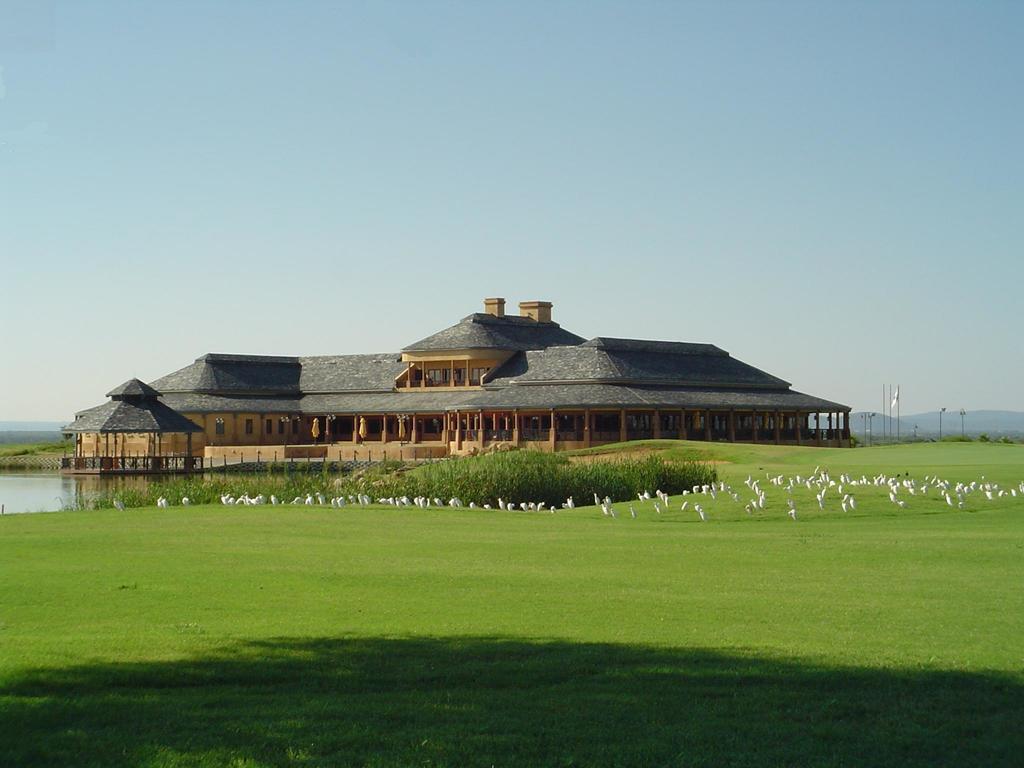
(130, 465)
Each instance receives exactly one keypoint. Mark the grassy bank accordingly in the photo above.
(523, 476)
(257, 636)
(33, 449)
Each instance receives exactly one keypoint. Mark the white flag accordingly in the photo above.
(895, 398)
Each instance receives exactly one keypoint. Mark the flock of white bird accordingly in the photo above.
(826, 490)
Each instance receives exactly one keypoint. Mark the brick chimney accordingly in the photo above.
(494, 307)
(537, 310)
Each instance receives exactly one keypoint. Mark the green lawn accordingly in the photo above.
(305, 636)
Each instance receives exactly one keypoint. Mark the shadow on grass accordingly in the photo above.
(479, 701)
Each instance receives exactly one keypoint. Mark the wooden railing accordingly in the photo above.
(132, 463)
(534, 434)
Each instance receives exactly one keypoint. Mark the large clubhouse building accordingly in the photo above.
(491, 378)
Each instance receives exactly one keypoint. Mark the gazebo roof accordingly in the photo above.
(133, 388)
(134, 407)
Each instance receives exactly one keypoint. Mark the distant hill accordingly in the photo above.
(29, 431)
(993, 423)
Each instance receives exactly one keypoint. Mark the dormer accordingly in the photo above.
(465, 354)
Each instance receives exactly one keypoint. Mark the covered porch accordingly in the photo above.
(570, 429)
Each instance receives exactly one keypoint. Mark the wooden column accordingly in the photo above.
(552, 431)
(413, 433)
(586, 428)
(778, 427)
(817, 428)
(188, 451)
(797, 416)
(482, 434)
(384, 428)
(355, 428)
(682, 424)
(622, 426)
(732, 426)
(707, 426)
(753, 423)
(515, 426)
(657, 425)
(458, 431)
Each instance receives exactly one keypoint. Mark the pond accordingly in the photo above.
(50, 491)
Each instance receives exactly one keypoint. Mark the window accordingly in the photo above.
(218, 426)
(437, 377)
(476, 375)
(248, 426)
(460, 376)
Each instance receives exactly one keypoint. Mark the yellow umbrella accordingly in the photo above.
(401, 428)
(316, 429)
(362, 427)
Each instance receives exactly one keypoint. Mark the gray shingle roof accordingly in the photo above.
(549, 368)
(131, 416)
(483, 331)
(543, 397)
(638, 362)
(234, 373)
(202, 402)
(133, 388)
(352, 373)
(646, 345)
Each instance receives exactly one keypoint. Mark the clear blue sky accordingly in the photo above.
(830, 191)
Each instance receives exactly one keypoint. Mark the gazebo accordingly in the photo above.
(133, 433)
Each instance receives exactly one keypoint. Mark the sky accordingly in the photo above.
(829, 191)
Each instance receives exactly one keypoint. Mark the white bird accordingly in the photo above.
(792, 514)
(700, 511)
(185, 501)
(632, 512)
(119, 505)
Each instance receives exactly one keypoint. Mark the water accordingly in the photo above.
(49, 491)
